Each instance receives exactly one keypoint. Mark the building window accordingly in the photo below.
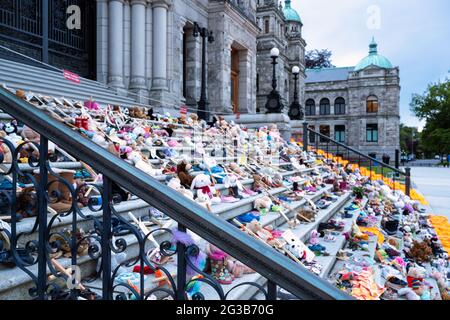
(372, 132)
(266, 26)
(339, 106)
(324, 107)
(324, 130)
(372, 104)
(339, 133)
(312, 136)
(310, 107)
(257, 82)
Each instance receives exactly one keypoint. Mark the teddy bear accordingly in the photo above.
(138, 161)
(235, 267)
(183, 168)
(202, 183)
(414, 273)
(137, 112)
(420, 252)
(263, 204)
(264, 233)
(175, 184)
(204, 200)
(258, 184)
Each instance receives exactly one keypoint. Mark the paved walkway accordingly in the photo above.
(434, 184)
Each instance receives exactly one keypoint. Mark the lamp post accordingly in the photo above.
(295, 110)
(273, 104)
(206, 36)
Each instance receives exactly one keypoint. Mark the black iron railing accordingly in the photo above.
(315, 141)
(34, 256)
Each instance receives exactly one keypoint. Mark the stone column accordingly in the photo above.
(115, 36)
(138, 43)
(159, 81)
(126, 43)
(148, 44)
(102, 41)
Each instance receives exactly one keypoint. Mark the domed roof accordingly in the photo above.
(289, 13)
(374, 59)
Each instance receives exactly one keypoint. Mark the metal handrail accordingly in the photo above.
(358, 152)
(263, 259)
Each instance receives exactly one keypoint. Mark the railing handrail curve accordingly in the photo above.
(358, 152)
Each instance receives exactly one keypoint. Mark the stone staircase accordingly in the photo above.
(18, 283)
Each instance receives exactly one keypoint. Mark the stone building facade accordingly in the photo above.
(281, 27)
(358, 106)
(147, 47)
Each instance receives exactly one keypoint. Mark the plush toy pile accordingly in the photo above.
(339, 221)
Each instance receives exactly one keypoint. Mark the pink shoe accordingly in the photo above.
(229, 199)
(250, 192)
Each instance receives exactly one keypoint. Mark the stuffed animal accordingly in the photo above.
(138, 161)
(183, 174)
(175, 184)
(204, 200)
(263, 204)
(202, 183)
(137, 112)
(258, 184)
(297, 247)
(420, 252)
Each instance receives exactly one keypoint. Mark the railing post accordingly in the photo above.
(181, 266)
(235, 144)
(305, 136)
(408, 181)
(106, 238)
(397, 158)
(271, 290)
(42, 218)
(45, 30)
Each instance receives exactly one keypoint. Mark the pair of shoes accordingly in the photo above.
(352, 207)
(323, 204)
(395, 283)
(391, 226)
(248, 217)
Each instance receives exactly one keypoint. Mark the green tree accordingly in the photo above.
(434, 107)
(318, 59)
(410, 140)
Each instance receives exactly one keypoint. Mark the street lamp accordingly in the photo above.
(295, 110)
(206, 36)
(273, 104)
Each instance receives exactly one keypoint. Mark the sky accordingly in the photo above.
(412, 34)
